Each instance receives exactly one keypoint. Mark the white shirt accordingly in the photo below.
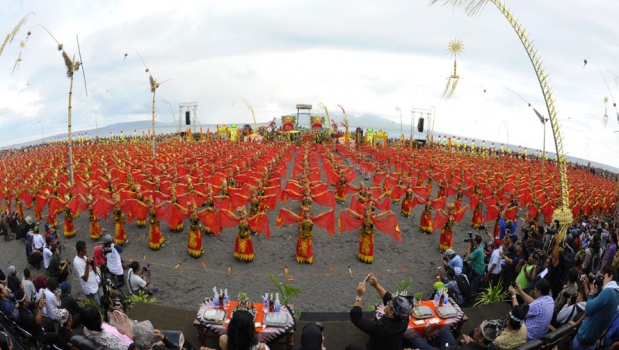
(495, 258)
(91, 286)
(47, 256)
(134, 283)
(113, 262)
(38, 241)
(51, 304)
(29, 289)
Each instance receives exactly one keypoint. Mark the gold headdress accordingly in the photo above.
(242, 210)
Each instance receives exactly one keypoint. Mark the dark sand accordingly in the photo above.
(323, 289)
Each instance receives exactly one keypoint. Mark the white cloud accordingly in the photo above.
(367, 56)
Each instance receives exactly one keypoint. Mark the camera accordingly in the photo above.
(146, 267)
(482, 227)
(513, 284)
(571, 297)
(539, 255)
(467, 240)
(597, 280)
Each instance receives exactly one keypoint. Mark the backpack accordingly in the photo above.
(463, 285)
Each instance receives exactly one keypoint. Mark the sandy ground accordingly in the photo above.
(323, 288)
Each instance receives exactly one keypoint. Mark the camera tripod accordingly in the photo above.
(109, 282)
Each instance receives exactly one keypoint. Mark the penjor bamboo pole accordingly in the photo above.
(70, 137)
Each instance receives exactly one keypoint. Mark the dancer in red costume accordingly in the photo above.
(426, 216)
(243, 246)
(444, 221)
(120, 236)
(366, 222)
(304, 252)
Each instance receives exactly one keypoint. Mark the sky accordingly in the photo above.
(367, 56)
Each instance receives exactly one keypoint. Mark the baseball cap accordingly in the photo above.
(28, 234)
(107, 238)
(65, 288)
(449, 252)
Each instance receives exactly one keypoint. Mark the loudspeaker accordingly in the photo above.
(420, 125)
(187, 118)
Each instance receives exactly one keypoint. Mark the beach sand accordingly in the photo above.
(324, 289)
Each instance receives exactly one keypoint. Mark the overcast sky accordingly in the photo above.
(368, 56)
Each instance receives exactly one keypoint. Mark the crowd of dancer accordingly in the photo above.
(213, 183)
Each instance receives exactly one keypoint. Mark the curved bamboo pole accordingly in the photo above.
(322, 105)
(472, 7)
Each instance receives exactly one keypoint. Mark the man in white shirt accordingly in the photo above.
(113, 261)
(494, 265)
(135, 282)
(52, 299)
(47, 252)
(38, 241)
(29, 289)
(82, 266)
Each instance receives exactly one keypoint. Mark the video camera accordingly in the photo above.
(467, 240)
(107, 248)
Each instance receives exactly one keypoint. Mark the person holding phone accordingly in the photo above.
(31, 318)
(385, 333)
(85, 272)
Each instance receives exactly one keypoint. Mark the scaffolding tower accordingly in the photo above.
(190, 117)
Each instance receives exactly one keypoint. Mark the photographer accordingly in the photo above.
(475, 256)
(58, 269)
(540, 308)
(112, 253)
(451, 284)
(387, 332)
(85, 272)
(574, 308)
(599, 310)
(451, 259)
(568, 290)
(135, 280)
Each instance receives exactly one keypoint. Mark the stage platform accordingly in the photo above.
(339, 331)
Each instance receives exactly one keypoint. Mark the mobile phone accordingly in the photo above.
(367, 278)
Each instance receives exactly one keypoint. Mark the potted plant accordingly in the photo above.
(242, 298)
(418, 298)
(243, 303)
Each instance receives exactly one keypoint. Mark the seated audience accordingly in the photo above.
(116, 317)
(312, 337)
(29, 288)
(241, 334)
(69, 303)
(31, 319)
(58, 269)
(34, 256)
(483, 336)
(386, 332)
(65, 332)
(515, 332)
(100, 332)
